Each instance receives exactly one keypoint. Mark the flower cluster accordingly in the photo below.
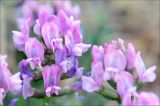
(116, 62)
(53, 49)
(60, 35)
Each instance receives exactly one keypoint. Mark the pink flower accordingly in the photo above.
(97, 53)
(5, 74)
(8, 82)
(144, 75)
(20, 38)
(114, 59)
(124, 81)
(34, 51)
(141, 99)
(51, 76)
(27, 90)
(94, 82)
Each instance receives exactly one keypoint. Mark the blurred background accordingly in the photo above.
(135, 21)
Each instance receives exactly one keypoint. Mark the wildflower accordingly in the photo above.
(94, 82)
(144, 75)
(20, 38)
(34, 51)
(140, 99)
(51, 76)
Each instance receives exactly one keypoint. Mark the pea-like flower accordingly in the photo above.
(20, 38)
(94, 82)
(34, 51)
(144, 75)
(8, 82)
(140, 99)
(51, 76)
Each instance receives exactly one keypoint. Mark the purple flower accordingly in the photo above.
(50, 30)
(15, 83)
(114, 59)
(27, 90)
(8, 82)
(97, 53)
(60, 55)
(89, 84)
(144, 75)
(51, 76)
(75, 49)
(141, 99)
(26, 76)
(24, 68)
(124, 81)
(5, 74)
(34, 51)
(20, 38)
(94, 82)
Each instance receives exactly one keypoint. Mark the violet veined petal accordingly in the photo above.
(50, 30)
(60, 55)
(34, 49)
(24, 68)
